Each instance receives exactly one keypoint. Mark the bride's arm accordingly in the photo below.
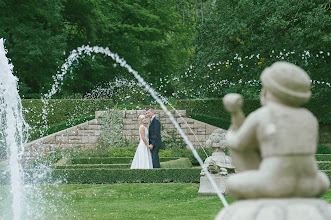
(142, 134)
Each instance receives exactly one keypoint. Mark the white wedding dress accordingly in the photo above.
(143, 157)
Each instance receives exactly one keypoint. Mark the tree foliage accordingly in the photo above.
(149, 34)
(238, 39)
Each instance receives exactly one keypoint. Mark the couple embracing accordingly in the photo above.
(147, 154)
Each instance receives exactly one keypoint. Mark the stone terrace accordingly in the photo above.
(87, 134)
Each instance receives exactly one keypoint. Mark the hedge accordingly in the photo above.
(111, 160)
(218, 122)
(324, 165)
(107, 176)
(179, 163)
(323, 157)
(214, 107)
(60, 110)
(93, 166)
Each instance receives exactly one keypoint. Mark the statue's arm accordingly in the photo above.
(245, 137)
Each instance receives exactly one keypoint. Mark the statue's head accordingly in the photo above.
(287, 82)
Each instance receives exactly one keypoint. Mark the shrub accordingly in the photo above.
(60, 110)
(213, 107)
(324, 165)
(112, 127)
(218, 122)
(104, 176)
(322, 149)
(323, 157)
(320, 107)
(179, 163)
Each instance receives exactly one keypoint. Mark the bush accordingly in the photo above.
(322, 149)
(323, 157)
(214, 107)
(107, 176)
(186, 153)
(104, 176)
(218, 122)
(179, 163)
(112, 127)
(122, 151)
(60, 110)
(324, 165)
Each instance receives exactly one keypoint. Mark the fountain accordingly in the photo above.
(25, 201)
(12, 129)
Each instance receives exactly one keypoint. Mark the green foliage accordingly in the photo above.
(122, 151)
(171, 141)
(131, 201)
(214, 107)
(102, 160)
(112, 126)
(104, 176)
(36, 39)
(61, 110)
(179, 163)
(238, 39)
(323, 157)
(186, 153)
(322, 149)
(218, 122)
(324, 165)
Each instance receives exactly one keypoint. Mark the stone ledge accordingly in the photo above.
(277, 209)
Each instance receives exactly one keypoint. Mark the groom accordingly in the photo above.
(154, 132)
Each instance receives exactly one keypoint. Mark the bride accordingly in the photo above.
(143, 157)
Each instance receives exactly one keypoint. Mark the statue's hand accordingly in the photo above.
(233, 102)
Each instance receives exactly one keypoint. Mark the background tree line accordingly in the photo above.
(198, 48)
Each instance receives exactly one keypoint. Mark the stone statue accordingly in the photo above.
(273, 151)
(218, 164)
(274, 146)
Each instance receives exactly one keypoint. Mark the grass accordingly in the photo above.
(132, 201)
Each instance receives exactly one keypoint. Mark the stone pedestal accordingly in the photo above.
(277, 209)
(207, 189)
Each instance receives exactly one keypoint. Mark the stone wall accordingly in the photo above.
(86, 135)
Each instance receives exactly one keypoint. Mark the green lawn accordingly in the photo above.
(127, 201)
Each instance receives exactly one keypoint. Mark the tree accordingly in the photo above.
(35, 41)
(240, 38)
(149, 35)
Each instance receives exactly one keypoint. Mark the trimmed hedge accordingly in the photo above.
(174, 163)
(60, 110)
(107, 176)
(111, 160)
(218, 122)
(324, 165)
(179, 163)
(323, 157)
(214, 107)
(93, 166)
(323, 149)
(103, 176)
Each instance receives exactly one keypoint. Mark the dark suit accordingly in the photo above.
(154, 132)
